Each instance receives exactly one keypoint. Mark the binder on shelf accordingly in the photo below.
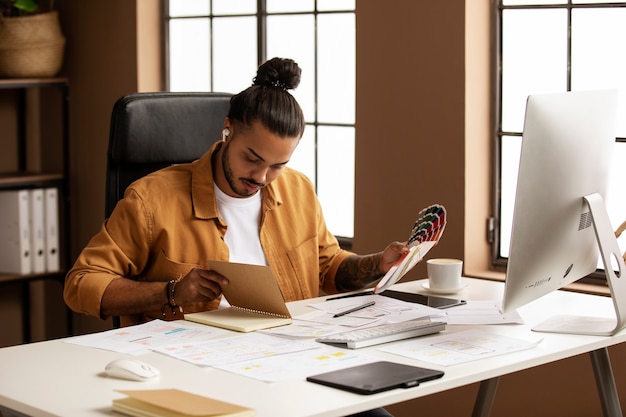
(37, 232)
(15, 251)
(51, 208)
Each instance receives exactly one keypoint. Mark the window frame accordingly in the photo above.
(261, 19)
(498, 261)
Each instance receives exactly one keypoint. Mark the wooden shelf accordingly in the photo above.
(11, 83)
(59, 275)
(29, 177)
(29, 180)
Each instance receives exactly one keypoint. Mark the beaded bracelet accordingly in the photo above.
(171, 286)
(170, 289)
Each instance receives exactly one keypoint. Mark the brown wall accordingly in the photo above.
(409, 121)
(422, 137)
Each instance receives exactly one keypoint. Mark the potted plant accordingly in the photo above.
(31, 40)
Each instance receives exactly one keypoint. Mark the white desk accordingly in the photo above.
(54, 378)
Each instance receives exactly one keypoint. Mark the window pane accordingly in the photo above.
(533, 61)
(336, 68)
(511, 148)
(326, 5)
(598, 53)
(189, 55)
(615, 201)
(615, 196)
(595, 1)
(189, 8)
(303, 158)
(293, 37)
(336, 178)
(234, 53)
(615, 207)
(526, 2)
(277, 6)
(226, 7)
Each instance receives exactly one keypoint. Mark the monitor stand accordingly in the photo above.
(611, 255)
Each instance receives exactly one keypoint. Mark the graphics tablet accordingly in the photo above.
(376, 377)
(428, 300)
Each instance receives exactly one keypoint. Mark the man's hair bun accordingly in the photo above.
(278, 72)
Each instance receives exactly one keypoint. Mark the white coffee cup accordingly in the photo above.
(444, 274)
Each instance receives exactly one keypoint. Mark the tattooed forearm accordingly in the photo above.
(357, 272)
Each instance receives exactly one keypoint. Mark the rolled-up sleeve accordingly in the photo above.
(120, 248)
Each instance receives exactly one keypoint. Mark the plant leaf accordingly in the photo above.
(25, 5)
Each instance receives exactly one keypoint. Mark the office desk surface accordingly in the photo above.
(54, 378)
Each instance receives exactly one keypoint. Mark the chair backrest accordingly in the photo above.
(150, 131)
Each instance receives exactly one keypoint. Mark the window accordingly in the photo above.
(217, 45)
(552, 46)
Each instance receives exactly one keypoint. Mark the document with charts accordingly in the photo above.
(426, 232)
(459, 347)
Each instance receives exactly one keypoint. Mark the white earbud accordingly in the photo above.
(225, 133)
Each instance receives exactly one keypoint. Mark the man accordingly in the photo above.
(238, 203)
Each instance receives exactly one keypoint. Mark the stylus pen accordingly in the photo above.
(357, 308)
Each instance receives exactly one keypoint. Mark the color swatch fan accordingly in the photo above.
(429, 226)
(425, 234)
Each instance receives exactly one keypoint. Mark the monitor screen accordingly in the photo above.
(566, 151)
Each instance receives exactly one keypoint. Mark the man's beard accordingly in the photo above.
(230, 177)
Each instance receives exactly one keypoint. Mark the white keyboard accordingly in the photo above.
(383, 333)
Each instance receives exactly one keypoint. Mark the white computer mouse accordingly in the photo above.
(132, 369)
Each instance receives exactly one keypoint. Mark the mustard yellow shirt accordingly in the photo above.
(168, 223)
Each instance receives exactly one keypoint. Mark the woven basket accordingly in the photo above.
(31, 46)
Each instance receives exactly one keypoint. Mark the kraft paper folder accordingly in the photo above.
(175, 403)
(254, 297)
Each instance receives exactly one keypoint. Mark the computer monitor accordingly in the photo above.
(560, 224)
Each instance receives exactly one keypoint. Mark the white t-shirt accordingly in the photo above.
(243, 218)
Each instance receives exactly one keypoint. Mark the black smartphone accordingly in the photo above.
(428, 300)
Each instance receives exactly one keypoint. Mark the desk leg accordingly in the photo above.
(485, 397)
(605, 383)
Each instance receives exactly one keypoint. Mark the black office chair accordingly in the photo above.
(150, 131)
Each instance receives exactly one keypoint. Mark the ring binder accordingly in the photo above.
(15, 252)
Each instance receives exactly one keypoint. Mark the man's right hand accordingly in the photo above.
(199, 285)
